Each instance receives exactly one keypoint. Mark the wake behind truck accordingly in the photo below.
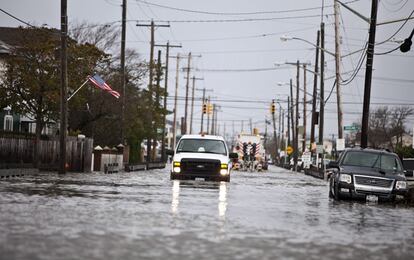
(251, 152)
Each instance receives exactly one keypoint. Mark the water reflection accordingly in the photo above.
(175, 196)
(222, 187)
(222, 205)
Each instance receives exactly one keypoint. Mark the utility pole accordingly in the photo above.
(150, 86)
(274, 130)
(265, 134)
(167, 58)
(192, 102)
(315, 92)
(322, 85)
(283, 130)
(157, 105)
(63, 86)
(216, 120)
(208, 114)
(174, 130)
(251, 126)
(204, 101)
(186, 93)
(123, 37)
(304, 109)
(202, 112)
(279, 140)
(288, 121)
(213, 120)
(337, 71)
(150, 90)
(292, 115)
(368, 74)
(296, 148)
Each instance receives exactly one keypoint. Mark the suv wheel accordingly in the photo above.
(331, 195)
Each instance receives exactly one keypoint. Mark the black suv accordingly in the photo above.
(367, 174)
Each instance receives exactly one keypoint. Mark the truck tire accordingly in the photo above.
(173, 176)
(226, 179)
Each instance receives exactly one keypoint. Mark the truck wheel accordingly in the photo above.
(173, 176)
(226, 179)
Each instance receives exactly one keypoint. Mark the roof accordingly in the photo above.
(210, 137)
(12, 36)
(371, 150)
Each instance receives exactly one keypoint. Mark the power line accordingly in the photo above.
(235, 13)
(232, 20)
(240, 70)
(16, 18)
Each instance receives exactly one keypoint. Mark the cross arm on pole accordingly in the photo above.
(366, 19)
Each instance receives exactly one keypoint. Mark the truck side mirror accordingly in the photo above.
(333, 164)
(169, 152)
(233, 155)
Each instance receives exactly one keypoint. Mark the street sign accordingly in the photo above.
(351, 128)
(319, 148)
(289, 150)
(340, 144)
(306, 157)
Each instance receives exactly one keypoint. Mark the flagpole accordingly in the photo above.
(76, 91)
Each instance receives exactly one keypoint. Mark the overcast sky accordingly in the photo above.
(251, 45)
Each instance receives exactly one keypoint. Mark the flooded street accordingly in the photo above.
(276, 214)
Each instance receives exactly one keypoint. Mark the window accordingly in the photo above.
(8, 123)
(202, 146)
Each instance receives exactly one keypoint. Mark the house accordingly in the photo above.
(10, 120)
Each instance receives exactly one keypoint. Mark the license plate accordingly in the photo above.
(344, 190)
(199, 179)
(372, 198)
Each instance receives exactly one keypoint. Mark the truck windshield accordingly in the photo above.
(201, 146)
(373, 160)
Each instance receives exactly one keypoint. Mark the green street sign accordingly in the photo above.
(351, 128)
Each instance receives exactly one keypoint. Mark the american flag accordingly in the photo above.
(100, 83)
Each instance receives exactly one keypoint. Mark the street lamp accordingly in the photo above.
(285, 38)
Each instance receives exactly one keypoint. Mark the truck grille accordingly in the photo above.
(372, 181)
(200, 166)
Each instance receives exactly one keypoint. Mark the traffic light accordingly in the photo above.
(204, 108)
(273, 108)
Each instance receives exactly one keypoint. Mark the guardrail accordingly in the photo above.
(18, 172)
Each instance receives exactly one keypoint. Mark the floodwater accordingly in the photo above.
(276, 214)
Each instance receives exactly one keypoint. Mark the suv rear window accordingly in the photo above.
(201, 146)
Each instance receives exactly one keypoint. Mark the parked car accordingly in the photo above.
(367, 174)
(202, 156)
(408, 164)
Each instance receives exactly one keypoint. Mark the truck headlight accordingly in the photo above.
(224, 169)
(176, 167)
(345, 178)
(401, 185)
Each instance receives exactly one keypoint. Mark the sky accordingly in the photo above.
(239, 54)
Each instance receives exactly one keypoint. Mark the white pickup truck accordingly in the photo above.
(201, 156)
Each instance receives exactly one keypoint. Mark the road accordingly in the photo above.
(276, 214)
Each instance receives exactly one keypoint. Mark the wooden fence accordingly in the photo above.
(18, 153)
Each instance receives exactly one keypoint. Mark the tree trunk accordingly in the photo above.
(36, 148)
